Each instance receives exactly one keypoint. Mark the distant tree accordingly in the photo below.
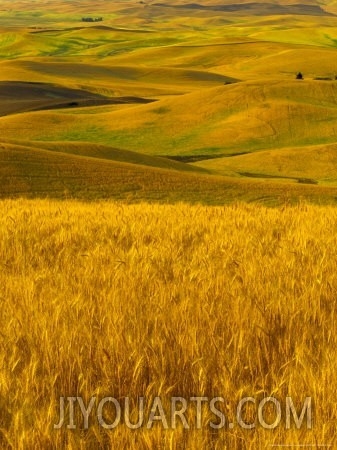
(299, 76)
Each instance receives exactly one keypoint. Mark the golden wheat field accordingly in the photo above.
(113, 300)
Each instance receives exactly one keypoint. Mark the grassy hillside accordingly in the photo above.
(317, 162)
(37, 173)
(115, 300)
(107, 153)
(235, 118)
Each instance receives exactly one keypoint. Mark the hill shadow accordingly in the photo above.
(17, 96)
(256, 9)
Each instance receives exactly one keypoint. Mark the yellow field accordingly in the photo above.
(158, 233)
(79, 171)
(317, 162)
(108, 299)
(221, 81)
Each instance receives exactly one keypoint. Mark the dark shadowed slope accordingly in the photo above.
(255, 8)
(17, 96)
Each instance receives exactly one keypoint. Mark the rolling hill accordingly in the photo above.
(36, 173)
(315, 163)
(105, 152)
(226, 120)
(190, 90)
(16, 97)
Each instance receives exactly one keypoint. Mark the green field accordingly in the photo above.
(220, 82)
